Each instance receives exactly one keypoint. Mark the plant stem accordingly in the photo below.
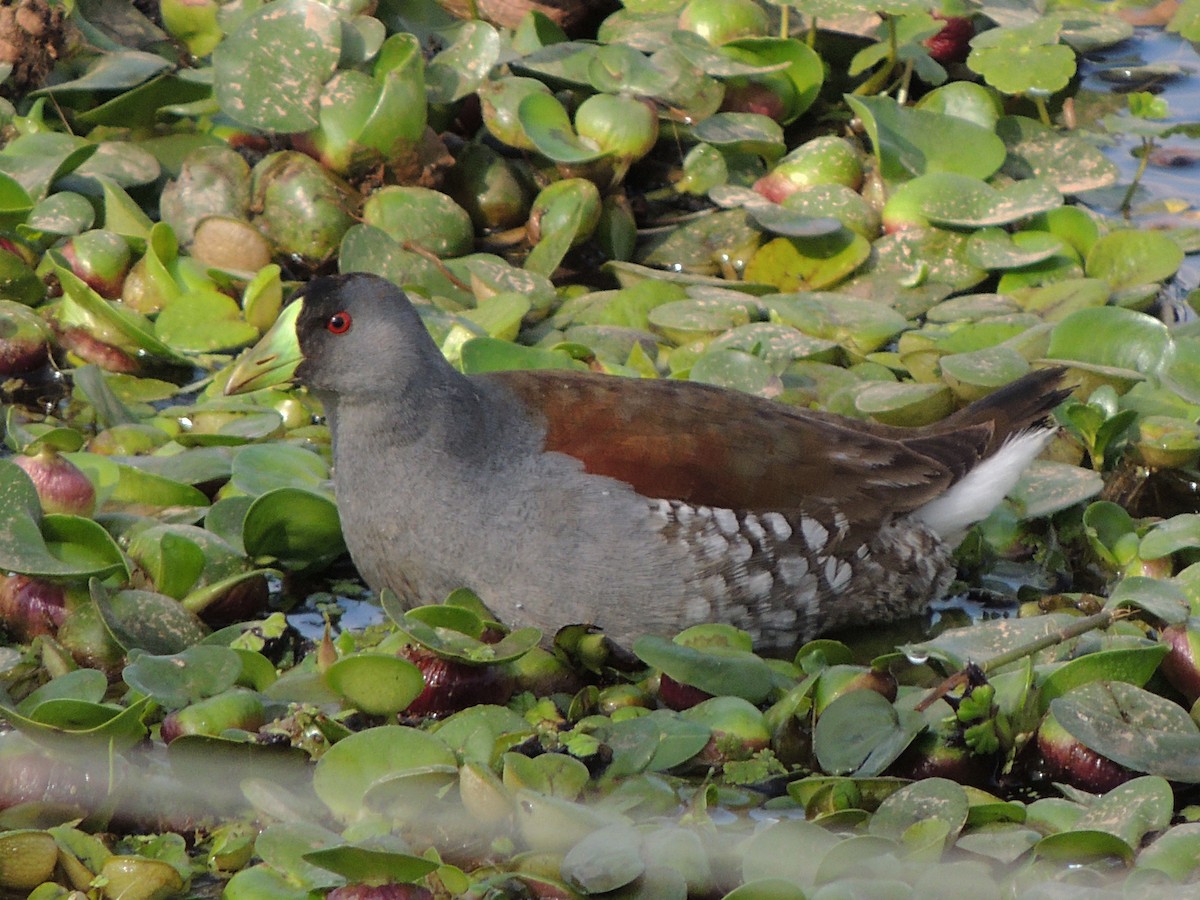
(1127, 200)
(875, 83)
(1043, 112)
(1081, 626)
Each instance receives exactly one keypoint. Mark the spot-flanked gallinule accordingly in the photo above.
(639, 505)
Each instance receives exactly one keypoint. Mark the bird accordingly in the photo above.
(640, 506)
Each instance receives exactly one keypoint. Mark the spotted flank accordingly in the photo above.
(785, 577)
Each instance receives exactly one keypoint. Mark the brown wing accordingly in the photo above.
(705, 445)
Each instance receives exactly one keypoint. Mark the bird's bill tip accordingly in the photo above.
(273, 360)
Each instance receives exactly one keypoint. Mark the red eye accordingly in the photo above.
(338, 323)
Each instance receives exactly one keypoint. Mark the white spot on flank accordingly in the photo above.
(815, 534)
(752, 529)
(726, 521)
(780, 529)
(698, 609)
(837, 573)
(792, 569)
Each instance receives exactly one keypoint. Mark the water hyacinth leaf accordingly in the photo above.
(1161, 598)
(931, 798)
(907, 403)
(715, 62)
(376, 684)
(607, 859)
(548, 126)
(263, 298)
(261, 468)
(72, 726)
(961, 201)
(1128, 258)
(713, 670)
(283, 845)
(37, 161)
(734, 369)
(500, 315)
(175, 680)
(914, 269)
(1048, 487)
(696, 319)
(1082, 847)
(863, 858)
(788, 223)
(616, 68)
(56, 546)
(141, 105)
(483, 354)
(568, 211)
(776, 343)
(20, 285)
(87, 685)
(230, 427)
(360, 864)
(145, 620)
(1132, 810)
(269, 73)
(125, 163)
(563, 65)
(653, 743)
(459, 69)
(552, 774)
(965, 100)
(293, 525)
(62, 213)
(700, 247)
(805, 72)
(772, 852)
(111, 72)
(1112, 337)
(1176, 533)
(15, 202)
(975, 374)
(1064, 158)
(92, 309)
(758, 888)
(122, 215)
(862, 326)
(954, 648)
(810, 263)
(1133, 727)
(350, 767)
(1133, 665)
(1175, 852)
(204, 321)
(861, 733)
(174, 564)
(995, 248)
(744, 132)
(910, 142)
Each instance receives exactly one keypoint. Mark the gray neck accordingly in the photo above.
(451, 420)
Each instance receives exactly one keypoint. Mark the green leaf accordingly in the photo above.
(909, 142)
(56, 546)
(861, 733)
(1023, 60)
(269, 73)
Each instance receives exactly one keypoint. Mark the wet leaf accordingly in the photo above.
(861, 733)
(269, 73)
(1133, 727)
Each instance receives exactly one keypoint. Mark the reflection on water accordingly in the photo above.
(1172, 180)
